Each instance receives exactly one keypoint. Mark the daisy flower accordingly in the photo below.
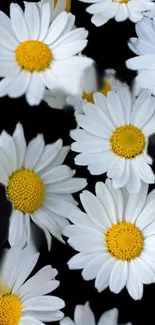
(25, 301)
(83, 315)
(144, 47)
(115, 136)
(120, 10)
(89, 85)
(56, 7)
(37, 184)
(115, 238)
(35, 54)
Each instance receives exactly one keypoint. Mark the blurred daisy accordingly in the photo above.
(37, 184)
(25, 301)
(115, 136)
(120, 10)
(56, 7)
(83, 315)
(89, 84)
(34, 55)
(144, 47)
(115, 238)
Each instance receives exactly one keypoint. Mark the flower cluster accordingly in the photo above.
(114, 230)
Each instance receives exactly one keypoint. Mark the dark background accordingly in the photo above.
(108, 47)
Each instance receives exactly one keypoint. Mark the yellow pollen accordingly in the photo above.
(10, 310)
(122, 1)
(33, 56)
(68, 4)
(90, 96)
(124, 241)
(128, 141)
(26, 190)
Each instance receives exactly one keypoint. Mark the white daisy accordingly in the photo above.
(56, 7)
(34, 55)
(37, 184)
(115, 238)
(21, 302)
(89, 85)
(115, 136)
(83, 315)
(120, 10)
(144, 47)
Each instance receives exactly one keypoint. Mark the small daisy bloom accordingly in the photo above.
(109, 81)
(25, 301)
(115, 136)
(37, 184)
(144, 47)
(56, 7)
(115, 238)
(83, 315)
(35, 54)
(120, 10)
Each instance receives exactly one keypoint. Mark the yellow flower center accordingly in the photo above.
(33, 56)
(124, 241)
(90, 96)
(122, 1)
(10, 310)
(68, 4)
(26, 190)
(127, 141)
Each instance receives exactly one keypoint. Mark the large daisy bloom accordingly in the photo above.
(115, 238)
(115, 136)
(25, 301)
(56, 7)
(120, 10)
(37, 184)
(35, 54)
(83, 315)
(144, 47)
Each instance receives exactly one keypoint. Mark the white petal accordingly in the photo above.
(20, 143)
(44, 229)
(102, 279)
(110, 317)
(118, 277)
(78, 217)
(34, 151)
(9, 68)
(145, 112)
(125, 98)
(58, 205)
(80, 260)
(28, 319)
(31, 262)
(20, 85)
(7, 39)
(17, 229)
(92, 126)
(136, 203)
(144, 170)
(57, 174)
(10, 261)
(143, 271)
(118, 199)
(134, 183)
(6, 22)
(66, 320)
(145, 94)
(95, 210)
(147, 215)
(51, 151)
(47, 303)
(87, 244)
(115, 108)
(3, 176)
(65, 51)
(45, 20)
(45, 316)
(134, 285)
(92, 268)
(32, 18)
(56, 28)
(83, 315)
(72, 185)
(7, 145)
(18, 23)
(105, 197)
(36, 90)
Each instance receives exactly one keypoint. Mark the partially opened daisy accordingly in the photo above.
(120, 10)
(37, 184)
(115, 238)
(35, 54)
(25, 301)
(115, 136)
(56, 7)
(83, 315)
(144, 47)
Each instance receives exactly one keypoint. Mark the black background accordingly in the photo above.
(108, 47)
